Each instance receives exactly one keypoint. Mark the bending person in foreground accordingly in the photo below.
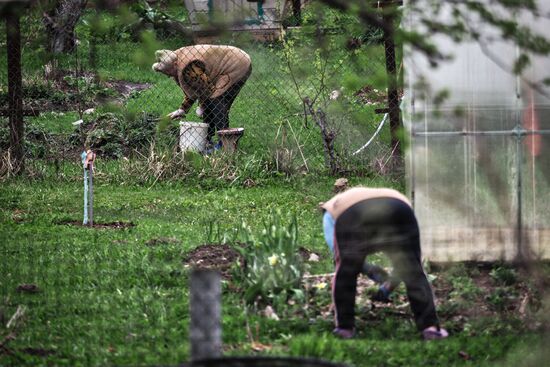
(369, 220)
(387, 283)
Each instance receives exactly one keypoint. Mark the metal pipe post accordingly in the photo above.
(91, 194)
(205, 308)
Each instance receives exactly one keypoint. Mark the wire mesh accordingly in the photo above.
(245, 77)
(235, 66)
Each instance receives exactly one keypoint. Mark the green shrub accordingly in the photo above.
(501, 298)
(113, 135)
(504, 275)
(39, 143)
(39, 91)
(86, 89)
(464, 288)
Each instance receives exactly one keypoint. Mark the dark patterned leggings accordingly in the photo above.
(387, 225)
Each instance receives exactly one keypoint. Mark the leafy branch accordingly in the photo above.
(467, 15)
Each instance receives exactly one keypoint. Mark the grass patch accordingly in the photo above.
(119, 296)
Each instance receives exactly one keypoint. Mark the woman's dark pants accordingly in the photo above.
(387, 225)
(216, 110)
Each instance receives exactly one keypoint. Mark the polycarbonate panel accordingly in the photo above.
(484, 119)
(535, 192)
(465, 198)
(479, 160)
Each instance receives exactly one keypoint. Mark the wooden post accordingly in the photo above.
(205, 308)
(15, 91)
(393, 94)
(297, 12)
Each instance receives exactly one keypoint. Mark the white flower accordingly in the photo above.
(199, 111)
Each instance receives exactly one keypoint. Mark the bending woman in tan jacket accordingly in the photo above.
(212, 75)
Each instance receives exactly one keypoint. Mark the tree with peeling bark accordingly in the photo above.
(60, 22)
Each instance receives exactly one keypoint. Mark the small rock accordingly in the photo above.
(270, 313)
(340, 185)
(78, 122)
(89, 111)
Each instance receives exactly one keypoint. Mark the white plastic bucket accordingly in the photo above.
(193, 136)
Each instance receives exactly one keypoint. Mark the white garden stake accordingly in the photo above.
(88, 158)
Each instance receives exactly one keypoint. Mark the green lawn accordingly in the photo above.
(120, 296)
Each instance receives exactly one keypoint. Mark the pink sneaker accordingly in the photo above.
(344, 333)
(434, 332)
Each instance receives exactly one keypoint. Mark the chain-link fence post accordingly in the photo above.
(297, 11)
(205, 304)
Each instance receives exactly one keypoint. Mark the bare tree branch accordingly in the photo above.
(328, 134)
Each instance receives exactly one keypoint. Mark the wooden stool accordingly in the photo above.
(230, 138)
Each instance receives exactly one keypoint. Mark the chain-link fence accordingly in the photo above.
(302, 86)
(298, 88)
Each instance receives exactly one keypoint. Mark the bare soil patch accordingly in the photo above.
(126, 88)
(40, 352)
(28, 288)
(485, 298)
(99, 225)
(220, 257)
(370, 95)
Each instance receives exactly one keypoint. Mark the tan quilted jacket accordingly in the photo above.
(223, 67)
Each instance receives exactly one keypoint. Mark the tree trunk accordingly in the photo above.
(393, 94)
(60, 23)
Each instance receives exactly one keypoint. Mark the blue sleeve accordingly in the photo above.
(328, 229)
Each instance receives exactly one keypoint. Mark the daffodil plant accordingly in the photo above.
(273, 266)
